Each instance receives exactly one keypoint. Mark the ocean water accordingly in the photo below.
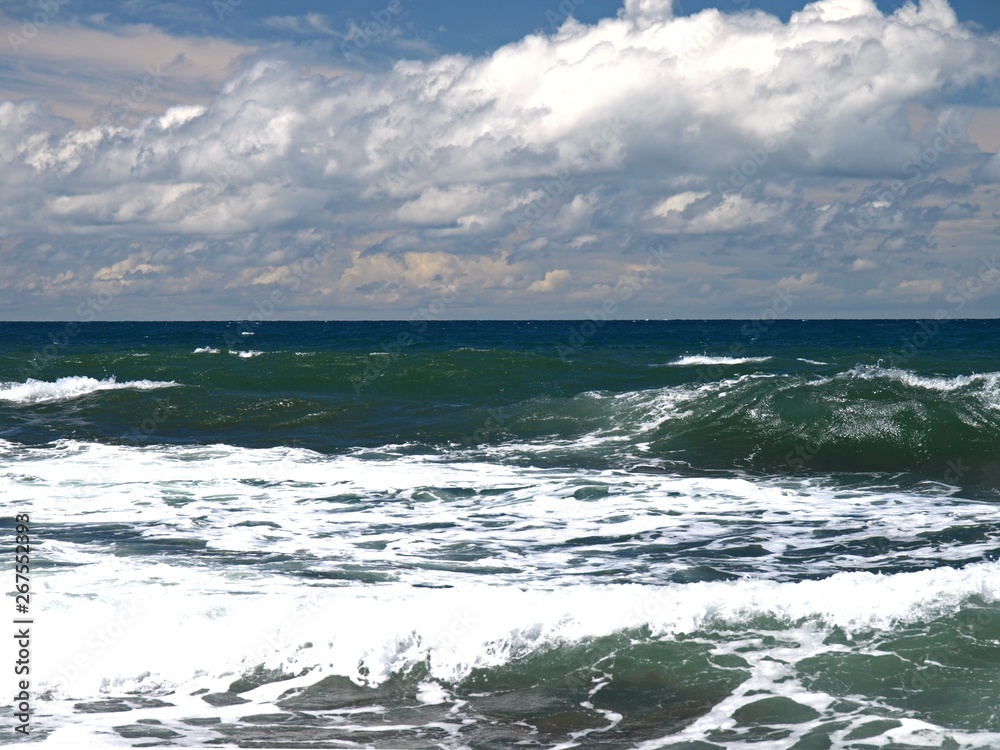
(686, 535)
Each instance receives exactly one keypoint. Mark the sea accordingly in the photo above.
(654, 535)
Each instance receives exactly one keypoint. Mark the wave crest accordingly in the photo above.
(63, 389)
(704, 359)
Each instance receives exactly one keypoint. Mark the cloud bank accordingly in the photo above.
(829, 157)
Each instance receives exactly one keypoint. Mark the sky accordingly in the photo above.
(239, 159)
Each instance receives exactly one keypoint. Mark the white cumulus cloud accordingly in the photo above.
(730, 133)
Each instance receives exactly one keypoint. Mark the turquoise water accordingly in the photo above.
(764, 534)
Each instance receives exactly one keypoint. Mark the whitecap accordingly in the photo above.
(39, 391)
(704, 359)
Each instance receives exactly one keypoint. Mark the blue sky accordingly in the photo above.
(635, 159)
(453, 26)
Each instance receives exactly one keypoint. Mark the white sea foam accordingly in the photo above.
(206, 350)
(538, 551)
(126, 639)
(39, 391)
(704, 359)
(942, 383)
(647, 410)
(246, 354)
(516, 519)
(392, 627)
